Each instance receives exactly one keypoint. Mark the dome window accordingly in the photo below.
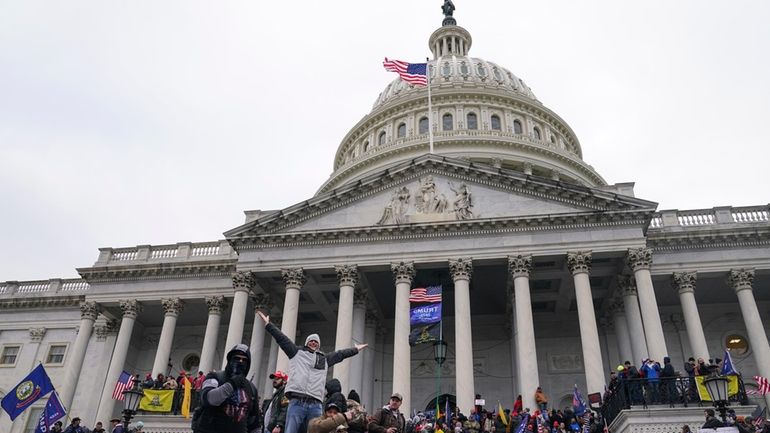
(402, 130)
(446, 122)
(464, 69)
(382, 138)
(536, 133)
(517, 129)
(472, 121)
(366, 146)
(482, 71)
(423, 127)
(553, 139)
(495, 122)
(498, 75)
(446, 70)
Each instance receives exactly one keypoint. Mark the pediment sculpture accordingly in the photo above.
(430, 204)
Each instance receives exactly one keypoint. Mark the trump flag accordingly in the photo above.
(32, 388)
(53, 411)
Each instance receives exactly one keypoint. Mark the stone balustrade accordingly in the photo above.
(711, 217)
(56, 285)
(183, 251)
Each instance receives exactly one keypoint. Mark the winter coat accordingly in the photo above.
(279, 404)
(326, 424)
(385, 418)
(472, 426)
(307, 369)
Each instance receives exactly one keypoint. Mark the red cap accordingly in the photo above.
(279, 374)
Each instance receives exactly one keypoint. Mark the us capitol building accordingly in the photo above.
(551, 276)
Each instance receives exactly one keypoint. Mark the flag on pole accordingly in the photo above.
(429, 294)
(53, 411)
(578, 404)
(187, 397)
(123, 384)
(413, 73)
(763, 386)
(727, 365)
(523, 424)
(447, 411)
(501, 413)
(33, 387)
(759, 419)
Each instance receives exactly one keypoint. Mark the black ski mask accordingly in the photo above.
(236, 367)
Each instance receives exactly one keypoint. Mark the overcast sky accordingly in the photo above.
(156, 122)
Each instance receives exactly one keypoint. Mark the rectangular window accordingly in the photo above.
(56, 354)
(9, 355)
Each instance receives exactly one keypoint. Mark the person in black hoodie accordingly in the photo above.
(668, 377)
(711, 420)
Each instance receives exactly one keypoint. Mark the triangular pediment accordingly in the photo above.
(434, 190)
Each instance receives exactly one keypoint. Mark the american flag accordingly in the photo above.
(413, 73)
(124, 383)
(763, 386)
(420, 294)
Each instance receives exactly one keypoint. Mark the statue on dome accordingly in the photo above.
(448, 8)
(463, 201)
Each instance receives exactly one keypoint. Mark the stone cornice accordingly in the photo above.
(711, 238)
(158, 271)
(41, 302)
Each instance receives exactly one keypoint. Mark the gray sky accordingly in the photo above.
(147, 122)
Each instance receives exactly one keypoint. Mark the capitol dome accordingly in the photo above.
(481, 113)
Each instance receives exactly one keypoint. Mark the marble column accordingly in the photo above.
(262, 302)
(684, 283)
(520, 268)
(243, 282)
(627, 286)
(741, 280)
(171, 307)
(293, 279)
(131, 309)
(217, 305)
(640, 261)
(367, 388)
(347, 275)
(359, 336)
(461, 270)
(272, 358)
(579, 263)
(89, 311)
(403, 275)
(621, 330)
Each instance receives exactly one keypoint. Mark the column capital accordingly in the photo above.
(89, 310)
(684, 282)
(106, 329)
(217, 304)
(36, 334)
(277, 320)
(294, 278)
(519, 265)
(627, 285)
(616, 307)
(262, 302)
(639, 258)
(347, 275)
(403, 272)
(740, 279)
(461, 268)
(130, 307)
(243, 281)
(172, 306)
(579, 262)
(360, 297)
(371, 318)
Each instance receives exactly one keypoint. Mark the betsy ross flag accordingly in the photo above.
(413, 73)
(123, 384)
(421, 294)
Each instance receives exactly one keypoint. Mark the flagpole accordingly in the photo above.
(430, 106)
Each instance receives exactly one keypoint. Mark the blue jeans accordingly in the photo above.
(299, 413)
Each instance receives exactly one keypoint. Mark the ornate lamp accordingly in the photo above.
(131, 400)
(439, 351)
(717, 386)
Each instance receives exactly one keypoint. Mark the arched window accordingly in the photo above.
(553, 139)
(495, 122)
(536, 133)
(366, 146)
(446, 122)
(472, 121)
(382, 138)
(402, 130)
(517, 129)
(423, 125)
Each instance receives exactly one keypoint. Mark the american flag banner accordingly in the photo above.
(413, 73)
(759, 420)
(763, 386)
(421, 294)
(124, 383)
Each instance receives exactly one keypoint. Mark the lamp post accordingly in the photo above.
(131, 400)
(439, 354)
(716, 386)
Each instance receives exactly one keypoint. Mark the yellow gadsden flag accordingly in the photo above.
(501, 413)
(732, 387)
(157, 400)
(187, 398)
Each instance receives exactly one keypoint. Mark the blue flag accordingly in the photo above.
(727, 365)
(578, 404)
(523, 424)
(33, 387)
(53, 411)
(425, 314)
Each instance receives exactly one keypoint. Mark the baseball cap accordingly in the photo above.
(397, 396)
(279, 374)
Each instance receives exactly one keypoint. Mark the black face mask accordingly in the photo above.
(236, 367)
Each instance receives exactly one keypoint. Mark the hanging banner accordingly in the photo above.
(157, 400)
(425, 314)
(425, 333)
